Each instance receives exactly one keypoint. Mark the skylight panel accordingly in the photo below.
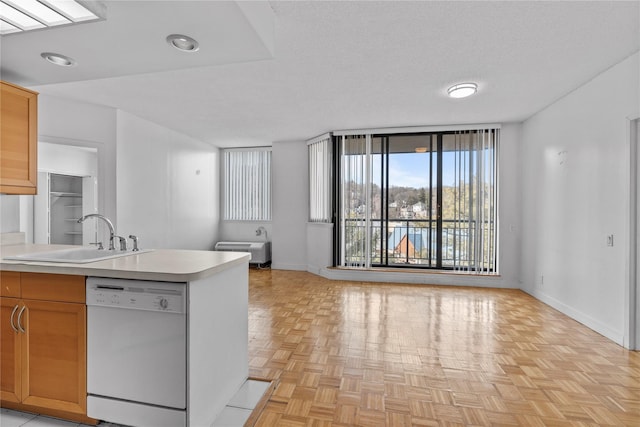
(6, 28)
(25, 15)
(75, 11)
(18, 19)
(39, 11)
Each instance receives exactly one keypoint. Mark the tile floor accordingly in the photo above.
(235, 414)
(239, 408)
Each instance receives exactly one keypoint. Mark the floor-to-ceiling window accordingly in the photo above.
(423, 199)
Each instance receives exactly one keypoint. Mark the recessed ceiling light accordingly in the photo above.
(61, 60)
(183, 43)
(462, 90)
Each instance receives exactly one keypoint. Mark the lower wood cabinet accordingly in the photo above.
(43, 349)
(10, 362)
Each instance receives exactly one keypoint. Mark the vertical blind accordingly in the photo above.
(475, 201)
(355, 200)
(320, 195)
(247, 185)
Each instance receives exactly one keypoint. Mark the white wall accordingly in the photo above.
(62, 121)
(288, 229)
(168, 186)
(67, 122)
(576, 192)
(290, 205)
(67, 160)
(9, 213)
(243, 231)
(319, 247)
(154, 190)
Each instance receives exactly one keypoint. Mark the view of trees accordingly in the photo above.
(409, 210)
(403, 201)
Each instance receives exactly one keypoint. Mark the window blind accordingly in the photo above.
(320, 166)
(454, 177)
(247, 184)
(475, 237)
(355, 201)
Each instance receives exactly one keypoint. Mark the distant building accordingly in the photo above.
(408, 241)
(419, 207)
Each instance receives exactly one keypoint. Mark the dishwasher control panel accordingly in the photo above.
(167, 297)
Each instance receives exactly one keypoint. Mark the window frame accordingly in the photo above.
(339, 232)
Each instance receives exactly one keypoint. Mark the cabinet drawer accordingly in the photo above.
(10, 284)
(53, 287)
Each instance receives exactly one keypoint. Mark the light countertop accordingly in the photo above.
(169, 265)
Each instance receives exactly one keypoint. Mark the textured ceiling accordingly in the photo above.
(349, 65)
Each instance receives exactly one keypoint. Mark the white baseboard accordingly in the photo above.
(413, 277)
(283, 266)
(577, 315)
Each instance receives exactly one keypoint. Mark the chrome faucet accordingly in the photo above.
(112, 231)
(123, 243)
(135, 242)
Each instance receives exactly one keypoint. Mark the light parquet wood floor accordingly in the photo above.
(364, 354)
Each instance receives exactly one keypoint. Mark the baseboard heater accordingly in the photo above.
(260, 251)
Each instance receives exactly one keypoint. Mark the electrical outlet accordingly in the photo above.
(610, 240)
(542, 280)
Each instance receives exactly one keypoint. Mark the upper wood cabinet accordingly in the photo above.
(18, 139)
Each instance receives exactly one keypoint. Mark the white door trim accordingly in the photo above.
(631, 338)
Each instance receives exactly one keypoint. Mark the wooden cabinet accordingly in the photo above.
(18, 139)
(44, 344)
(10, 366)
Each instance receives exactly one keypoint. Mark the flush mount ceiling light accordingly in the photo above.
(24, 15)
(183, 43)
(57, 59)
(462, 90)
(421, 149)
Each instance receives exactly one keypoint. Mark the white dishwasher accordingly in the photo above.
(136, 352)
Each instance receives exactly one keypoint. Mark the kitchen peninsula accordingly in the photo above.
(161, 337)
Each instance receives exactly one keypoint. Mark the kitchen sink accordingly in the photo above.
(74, 255)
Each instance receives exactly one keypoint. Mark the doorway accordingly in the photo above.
(67, 189)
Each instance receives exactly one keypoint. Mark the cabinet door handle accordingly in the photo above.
(20, 319)
(13, 313)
